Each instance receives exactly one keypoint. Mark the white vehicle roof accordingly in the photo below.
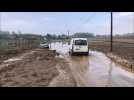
(79, 38)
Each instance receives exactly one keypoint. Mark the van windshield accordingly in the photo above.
(80, 42)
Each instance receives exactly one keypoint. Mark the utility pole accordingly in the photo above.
(0, 22)
(111, 49)
(67, 30)
(133, 24)
(68, 33)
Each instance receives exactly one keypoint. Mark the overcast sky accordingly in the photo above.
(60, 22)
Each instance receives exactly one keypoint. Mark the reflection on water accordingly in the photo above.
(81, 62)
(109, 81)
(95, 69)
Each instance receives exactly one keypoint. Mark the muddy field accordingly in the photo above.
(123, 48)
(33, 68)
(6, 54)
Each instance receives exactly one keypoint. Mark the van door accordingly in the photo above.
(81, 46)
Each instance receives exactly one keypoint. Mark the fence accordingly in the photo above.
(17, 45)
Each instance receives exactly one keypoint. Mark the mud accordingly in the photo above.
(126, 63)
(122, 51)
(95, 70)
(43, 67)
(7, 54)
(65, 77)
(31, 69)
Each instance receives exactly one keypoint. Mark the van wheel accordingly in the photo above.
(72, 53)
(87, 53)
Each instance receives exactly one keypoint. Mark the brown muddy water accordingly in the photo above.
(95, 70)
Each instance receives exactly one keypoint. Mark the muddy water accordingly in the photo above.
(95, 70)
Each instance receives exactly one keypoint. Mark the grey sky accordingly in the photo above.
(60, 22)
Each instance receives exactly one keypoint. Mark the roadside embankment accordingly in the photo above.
(123, 53)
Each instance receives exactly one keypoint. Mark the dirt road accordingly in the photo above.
(95, 70)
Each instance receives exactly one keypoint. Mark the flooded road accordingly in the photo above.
(95, 70)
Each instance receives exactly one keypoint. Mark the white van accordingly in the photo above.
(78, 45)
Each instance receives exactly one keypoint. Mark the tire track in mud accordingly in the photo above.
(65, 77)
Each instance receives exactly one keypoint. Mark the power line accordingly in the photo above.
(89, 18)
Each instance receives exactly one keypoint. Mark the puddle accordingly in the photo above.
(96, 69)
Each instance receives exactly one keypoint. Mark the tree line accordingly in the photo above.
(63, 36)
(27, 36)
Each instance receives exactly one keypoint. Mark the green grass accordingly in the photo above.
(3, 44)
